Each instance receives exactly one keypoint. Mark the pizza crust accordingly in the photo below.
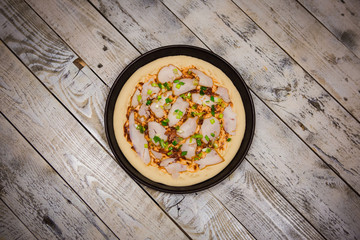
(154, 173)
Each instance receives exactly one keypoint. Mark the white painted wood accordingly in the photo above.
(55, 64)
(309, 43)
(146, 24)
(86, 31)
(282, 84)
(342, 18)
(83, 163)
(10, 226)
(39, 197)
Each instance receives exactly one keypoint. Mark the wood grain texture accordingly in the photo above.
(88, 33)
(282, 84)
(211, 223)
(297, 173)
(146, 24)
(244, 189)
(83, 163)
(55, 64)
(342, 18)
(201, 215)
(10, 226)
(41, 199)
(327, 60)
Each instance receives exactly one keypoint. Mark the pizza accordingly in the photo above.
(179, 120)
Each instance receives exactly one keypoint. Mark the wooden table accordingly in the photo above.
(300, 179)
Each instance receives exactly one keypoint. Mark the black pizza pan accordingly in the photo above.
(207, 56)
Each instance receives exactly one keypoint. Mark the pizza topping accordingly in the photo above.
(157, 132)
(180, 120)
(135, 99)
(188, 127)
(166, 162)
(189, 148)
(175, 168)
(169, 74)
(204, 80)
(210, 159)
(229, 120)
(210, 129)
(138, 140)
(183, 86)
(177, 111)
(223, 93)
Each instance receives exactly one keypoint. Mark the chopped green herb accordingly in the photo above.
(145, 145)
(207, 138)
(181, 83)
(176, 110)
(160, 85)
(156, 139)
(174, 143)
(203, 88)
(154, 84)
(212, 98)
(178, 85)
(177, 127)
(221, 115)
(212, 121)
(198, 142)
(228, 140)
(192, 114)
(207, 101)
(148, 102)
(168, 100)
(158, 97)
(200, 155)
(167, 85)
(197, 136)
(183, 153)
(189, 72)
(176, 81)
(202, 93)
(162, 143)
(149, 92)
(208, 150)
(183, 96)
(170, 148)
(169, 153)
(175, 71)
(139, 98)
(179, 114)
(189, 95)
(194, 106)
(213, 110)
(165, 122)
(140, 128)
(212, 134)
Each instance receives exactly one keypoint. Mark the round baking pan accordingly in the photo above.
(196, 52)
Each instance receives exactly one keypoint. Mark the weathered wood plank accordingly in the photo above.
(146, 24)
(92, 37)
(327, 60)
(55, 64)
(41, 199)
(198, 224)
(342, 18)
(83, 163)
(282, 84)
(10, 226)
